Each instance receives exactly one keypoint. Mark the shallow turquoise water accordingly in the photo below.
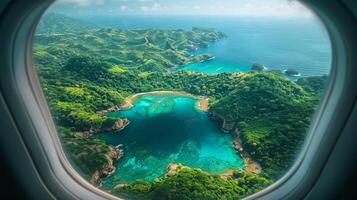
(219, 64)
(164, 129)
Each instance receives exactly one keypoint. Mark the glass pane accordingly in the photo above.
(185, 99)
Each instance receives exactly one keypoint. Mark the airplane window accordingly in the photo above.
(185, 99)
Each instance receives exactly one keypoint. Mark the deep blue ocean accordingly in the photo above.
(278, 43)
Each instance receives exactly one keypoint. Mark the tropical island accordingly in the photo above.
(88, 73)
(258, 67)
(291, 72)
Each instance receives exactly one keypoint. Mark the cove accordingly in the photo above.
(168, 128)
(221, 62)
(278, 43)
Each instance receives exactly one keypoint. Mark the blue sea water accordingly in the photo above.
(165, 129)
(278, 43)
(168, 128)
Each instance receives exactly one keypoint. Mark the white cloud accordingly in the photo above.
(156, 6)
(212, 7)
(99, 2)
(144, 8)
(124, 8)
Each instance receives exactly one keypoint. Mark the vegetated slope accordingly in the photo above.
(84, 86)
(314, 85)
(272, 114)
(130, 48)
(89, 71)
(87, 154)
(55, 23)
(80, 76)
(188, 183)
(150, 50)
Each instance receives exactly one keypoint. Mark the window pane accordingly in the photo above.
(182, 99)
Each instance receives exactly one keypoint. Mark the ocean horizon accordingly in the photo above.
(277, 43)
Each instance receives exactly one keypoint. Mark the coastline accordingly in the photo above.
(250, 166)
(108, 168)
(115, 153)
(117, 126)
(202, 103)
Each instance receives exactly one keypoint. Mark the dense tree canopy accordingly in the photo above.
(89, 70)
(190, 183)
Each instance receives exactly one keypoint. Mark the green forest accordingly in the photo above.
(85, 69)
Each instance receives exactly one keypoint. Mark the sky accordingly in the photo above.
(271, 8)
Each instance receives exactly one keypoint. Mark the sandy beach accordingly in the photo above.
(202, 104)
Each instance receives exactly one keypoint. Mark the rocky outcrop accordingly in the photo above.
(227, 126)
(121, 185)
(118, 125)
(108, 168)
(291, 72)
(230, 127)
(215, 116)
(258, 67)
(111, 109)
(250, 165)
(172, 169)
(96, 178)
(89, 133)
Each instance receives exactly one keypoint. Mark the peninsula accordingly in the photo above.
(90, 73)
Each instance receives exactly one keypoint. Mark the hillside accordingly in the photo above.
(272, 115)
(55, 23)
(90, 70)
(187, 183)
(149, 50)
(85, 72)
(144, 49)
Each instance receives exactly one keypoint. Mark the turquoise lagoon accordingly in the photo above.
(168, 128)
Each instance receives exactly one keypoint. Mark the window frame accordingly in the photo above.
(29, 110)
